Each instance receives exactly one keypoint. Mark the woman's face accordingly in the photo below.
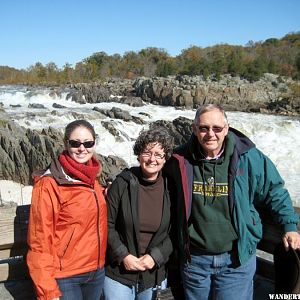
(78, 151)
(152, 159)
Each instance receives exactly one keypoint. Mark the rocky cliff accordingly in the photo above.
(271, 94)
(23, 151)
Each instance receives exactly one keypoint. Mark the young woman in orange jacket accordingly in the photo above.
(67, 234)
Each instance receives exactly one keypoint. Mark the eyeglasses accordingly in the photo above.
(156, 155)
(77, 144)
(215, 129)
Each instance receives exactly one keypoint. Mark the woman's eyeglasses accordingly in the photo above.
(156, 155)
(77, 144)
(215, 129)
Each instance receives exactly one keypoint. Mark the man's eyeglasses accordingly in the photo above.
(77, 144)
(215, 129)
(156, 155)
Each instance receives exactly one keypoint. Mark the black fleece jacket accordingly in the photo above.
(123, 232)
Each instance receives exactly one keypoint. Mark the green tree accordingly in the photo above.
(297, 63)
(37, 73)
(97, 65)
(279, 56)
(190, 61)
(150, 58)
(66, 74)
(132, 64)
(236, 64)
(52, 72)
(166, 67)
(255, 69)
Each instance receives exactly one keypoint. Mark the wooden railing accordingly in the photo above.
(272, 235)
(13, 247)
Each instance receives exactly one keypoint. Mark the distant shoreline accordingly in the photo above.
(272, 94)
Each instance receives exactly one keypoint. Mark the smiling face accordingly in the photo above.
(80, 154)
(152, 159)
(211, 129)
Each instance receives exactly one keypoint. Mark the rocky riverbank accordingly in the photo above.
(272, 94)
(24, 150)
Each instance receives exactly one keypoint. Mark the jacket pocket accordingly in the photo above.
(65, 245)
(255, 226)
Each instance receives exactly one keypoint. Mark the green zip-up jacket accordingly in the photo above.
(253, 182)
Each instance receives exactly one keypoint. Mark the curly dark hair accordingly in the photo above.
(152, 136)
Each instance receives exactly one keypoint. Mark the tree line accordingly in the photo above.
(277, 56)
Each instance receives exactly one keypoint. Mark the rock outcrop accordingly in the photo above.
(113, 90)
(271, 94)
(180, 129)
(23, 151)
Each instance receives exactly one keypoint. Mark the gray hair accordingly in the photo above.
(209, 107)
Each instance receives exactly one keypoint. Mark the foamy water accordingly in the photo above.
(276, 136)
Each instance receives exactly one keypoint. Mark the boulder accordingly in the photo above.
(23, 151)
(233, 93)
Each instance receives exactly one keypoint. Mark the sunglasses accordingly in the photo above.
(77, 144)
(215, 129)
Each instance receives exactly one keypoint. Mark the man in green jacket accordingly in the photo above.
(218, 179)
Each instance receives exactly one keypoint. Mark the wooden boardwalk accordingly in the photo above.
(15, 281)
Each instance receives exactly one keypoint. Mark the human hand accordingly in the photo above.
(132, 263)
(291, 239)
(109, 183)
(147, 261)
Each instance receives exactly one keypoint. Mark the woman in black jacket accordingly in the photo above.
(139, 222)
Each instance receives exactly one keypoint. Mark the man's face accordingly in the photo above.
(211, 130)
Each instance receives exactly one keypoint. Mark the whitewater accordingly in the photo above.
(276, 136)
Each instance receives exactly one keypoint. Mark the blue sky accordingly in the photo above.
(67, 31)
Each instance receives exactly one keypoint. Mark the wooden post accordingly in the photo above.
(13, 246)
